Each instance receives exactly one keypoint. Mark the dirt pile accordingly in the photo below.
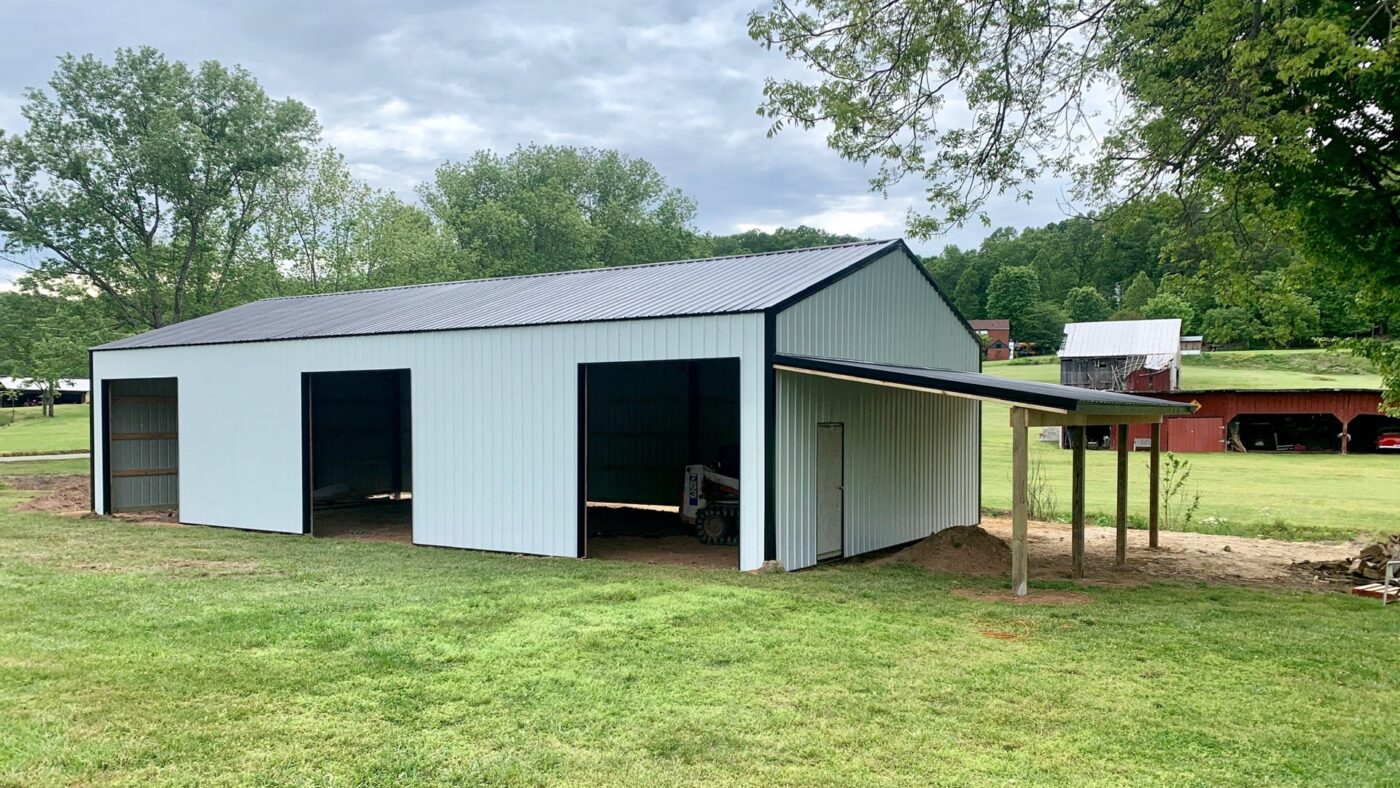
(71, 496)
(62, 494)
(966, 550)
(1368, 564)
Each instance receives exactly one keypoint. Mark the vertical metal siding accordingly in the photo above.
(494, 423)
(885, 313)
(911, 458)
(910, 463)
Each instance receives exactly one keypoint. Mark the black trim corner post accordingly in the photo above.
(1120, 547)
(1020, 500)
(1076, 441)
(1155, 486)
(93, 391)
(582, 516)
(307, 447)
(770, 433)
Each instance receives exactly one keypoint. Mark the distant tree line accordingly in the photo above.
(1246, 285)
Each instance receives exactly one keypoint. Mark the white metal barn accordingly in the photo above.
(839, 380)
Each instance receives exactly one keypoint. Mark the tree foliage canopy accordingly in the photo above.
(145, 178)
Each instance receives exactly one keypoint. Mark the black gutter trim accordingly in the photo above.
(862, 263)
(957, 385)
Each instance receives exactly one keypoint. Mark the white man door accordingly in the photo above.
(831, 490)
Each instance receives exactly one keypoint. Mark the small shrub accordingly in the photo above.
(1040, 497)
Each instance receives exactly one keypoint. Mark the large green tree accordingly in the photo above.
(44, 337)
(1085, 304)
(143, 179)
(780, 239)
(1267, 113)
(550, 208)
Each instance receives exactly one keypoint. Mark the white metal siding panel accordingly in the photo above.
(494, 420)
(911, 463)
(885, 313)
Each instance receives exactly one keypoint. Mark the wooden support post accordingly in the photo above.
(1120, 554)
(1020, 501)
(1346, 436)
(1155, 486)
(1076, 442)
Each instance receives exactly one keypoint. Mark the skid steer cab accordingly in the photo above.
(711, 504)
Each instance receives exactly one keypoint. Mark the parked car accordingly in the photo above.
(1388, 440)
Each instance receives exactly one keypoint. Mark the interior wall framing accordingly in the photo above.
(140, 444)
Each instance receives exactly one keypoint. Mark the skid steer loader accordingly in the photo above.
(711, 504)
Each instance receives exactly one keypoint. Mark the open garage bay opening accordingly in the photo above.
(357, 453)
(659, 444)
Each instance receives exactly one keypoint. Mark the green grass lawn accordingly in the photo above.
(1254, 369)
(134, 654)
(1315, 496)
(1288, 496)
(33, 433)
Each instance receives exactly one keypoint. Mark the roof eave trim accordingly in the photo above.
(677, 316)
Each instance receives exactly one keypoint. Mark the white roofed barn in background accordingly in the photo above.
(1105, 355)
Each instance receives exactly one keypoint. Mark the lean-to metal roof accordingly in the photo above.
(719, 285)
(1158, 340)
(1030, 394)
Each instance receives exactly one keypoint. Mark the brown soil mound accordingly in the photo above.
(71, 496)
(63, 494)
(966, 550)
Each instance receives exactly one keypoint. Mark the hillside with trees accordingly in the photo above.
(1151, 259)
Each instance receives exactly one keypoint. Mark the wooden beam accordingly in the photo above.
(137, 472)
(1120, 555)
(1076, 442)
(1020, 501)
(144, 436)
(1041, 418)
(1155, 486)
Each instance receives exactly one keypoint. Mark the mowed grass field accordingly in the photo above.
(1310, 496)
(33, 433)
(145, 654)
(1283, 496)
(1246, 369)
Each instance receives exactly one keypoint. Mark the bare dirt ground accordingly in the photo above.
(374, 521)
(651, 535)
(1188, 557)
(71, 496)
(656, 536)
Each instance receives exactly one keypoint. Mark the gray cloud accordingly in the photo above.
(402, 87)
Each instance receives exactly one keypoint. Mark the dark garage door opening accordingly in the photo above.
(1366, 430)
(357, 454)
(141, 443)
(1286, 432)
(644, 429)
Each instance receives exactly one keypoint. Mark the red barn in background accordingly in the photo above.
(1272, 420)
(998, 334)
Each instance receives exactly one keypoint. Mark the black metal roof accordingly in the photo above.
(719, 285)
(1031, 394)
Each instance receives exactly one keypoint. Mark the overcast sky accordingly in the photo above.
(401, 87)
